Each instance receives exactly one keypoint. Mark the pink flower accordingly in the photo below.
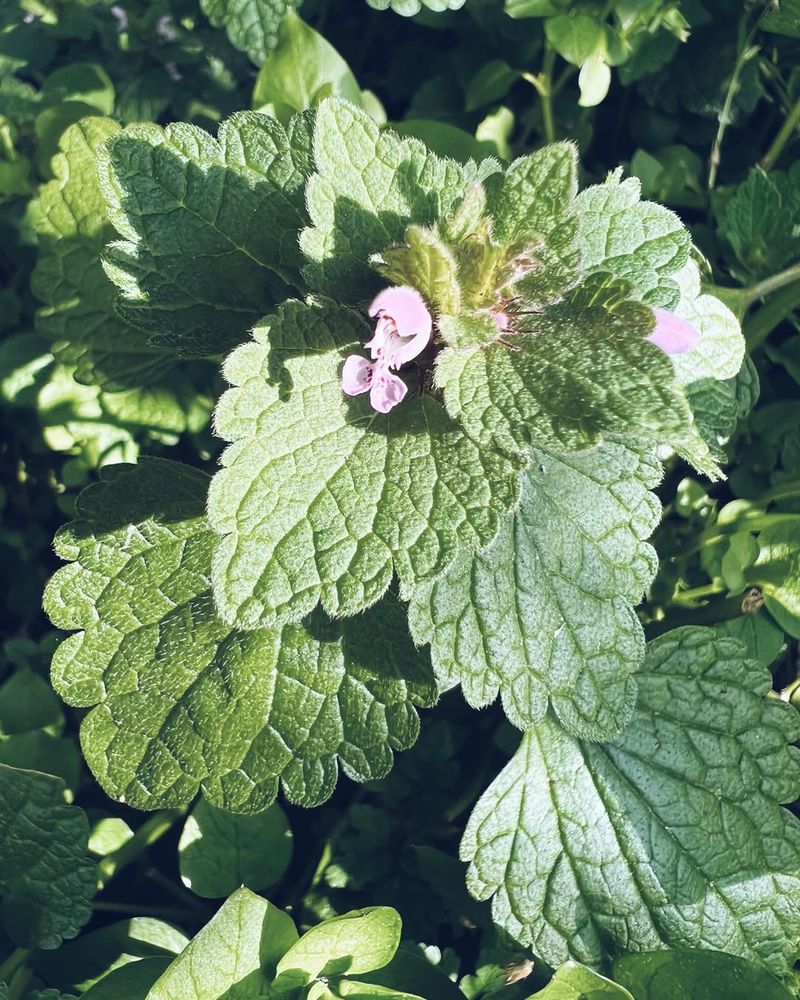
(403, 326)
(385, 389)
(673, 335)
(502, 319)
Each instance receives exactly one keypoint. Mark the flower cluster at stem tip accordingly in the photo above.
(403, 328)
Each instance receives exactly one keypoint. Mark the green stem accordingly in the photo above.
(746, 53)
(704, 614)
(774, 283)
(148, 833)
(764, 321)
(686, 598)
(791, 123)
(17, 958)
(547, 94)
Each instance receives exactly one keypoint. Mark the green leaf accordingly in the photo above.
(490, 84)
(209, 225)
(761, 221)
(763, 639)
(219, 851)
(696, 975)
(544, 615)
(718, 405)
(78, 315)
(785, 20)
(580, 370)
(322, 498)
(234, 955)
(303, 69)
(575, 982)
(77, 81)
(575, 37)
(186, 704)
(80, 964)
(408, 8)
(670, 837)
(777, 573)
(252, 25)
(130, 982)
(355, 943)
(46, 879)
(424, 262)
(27, 702)
(639, 241)
(368, 187)
(532, 206)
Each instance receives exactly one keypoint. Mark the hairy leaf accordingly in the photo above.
(251, 25)
(368, 186)
(582, 369)
(78, 316)
(183, 703)
(639, 241)
(209, 226)
(46, 879)
(670, 837)
(322, 498)
(533, 206)
(648, 246)
(761, 221)
(544, 615)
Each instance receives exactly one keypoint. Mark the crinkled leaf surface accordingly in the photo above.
(648, 246)
(532, 205)
(322, 498)
(544, 615)
(183, 703)
(251, 25)
(580, 370)
(671, 836)
(761, 221)
(233, 957)
(78, 315)
(209, 226)
(368, 186)
(640, 241)
(46, 879)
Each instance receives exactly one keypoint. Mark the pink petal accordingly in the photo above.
(357, 375)
(406, 310)
(384, 331)
(387, 390)
(673, 335)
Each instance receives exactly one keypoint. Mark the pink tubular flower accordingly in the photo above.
(403, 326)
(385, 389)
(673, 335)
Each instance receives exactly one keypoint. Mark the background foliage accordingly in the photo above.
(102, 900)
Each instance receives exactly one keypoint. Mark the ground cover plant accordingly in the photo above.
(399, 499)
